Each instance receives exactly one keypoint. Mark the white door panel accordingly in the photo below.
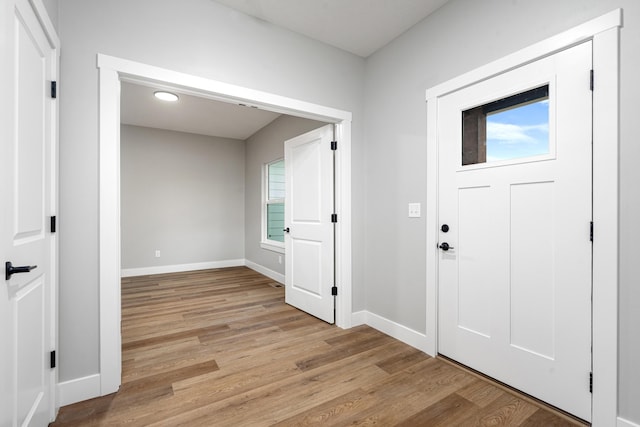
(27, 187)
(309, 243)
(29, 330)
(514, 292)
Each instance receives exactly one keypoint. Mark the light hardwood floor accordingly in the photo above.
(221, 348)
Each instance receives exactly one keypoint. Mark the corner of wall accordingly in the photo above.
(395, 330)
(79, 389)
(278, 277)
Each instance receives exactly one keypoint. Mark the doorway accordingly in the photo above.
(112, 71)
(191, 192)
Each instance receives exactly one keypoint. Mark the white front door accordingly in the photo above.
(309, 250)
(514, 210)
(27, 311)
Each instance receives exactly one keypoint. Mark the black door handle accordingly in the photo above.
(9, 269)
(286, 230)
(445, 246)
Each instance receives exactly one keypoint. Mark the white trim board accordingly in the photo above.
(178, 268)
(625, 423)
(111, 71)
(389, 327)
(274, 275)
(604, 32)
(79, 389)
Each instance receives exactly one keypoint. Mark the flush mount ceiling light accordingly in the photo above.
(166, 96)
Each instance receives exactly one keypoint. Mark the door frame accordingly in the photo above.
(112, 70)
(604, 32)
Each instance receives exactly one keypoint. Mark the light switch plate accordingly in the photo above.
(414, 210)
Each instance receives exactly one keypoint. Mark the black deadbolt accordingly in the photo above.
(444, 228)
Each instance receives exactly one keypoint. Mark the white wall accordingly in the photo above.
(182, 194)
(52, 11)
(263, 147)
(463, 35)
(199, 37)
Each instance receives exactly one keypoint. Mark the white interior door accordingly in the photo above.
(27, 323)
(515, 194)
(309, 242)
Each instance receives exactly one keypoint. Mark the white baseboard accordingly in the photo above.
(77, 390)
(178, 268)
(624, 423)
(278, 277)
(359, 318)
(401, 333)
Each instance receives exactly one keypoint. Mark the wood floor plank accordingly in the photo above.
(175, 336)
(546, 419)
(221, 348)
(402, 361)
(481, 393)
(505, 410)
(445, 412)
(332, 411)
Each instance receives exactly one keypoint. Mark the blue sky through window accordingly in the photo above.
(522, 131)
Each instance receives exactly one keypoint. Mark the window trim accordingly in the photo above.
(265, 243)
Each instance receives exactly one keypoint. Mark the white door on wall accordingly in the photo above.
(515, 214)
(27, 248)
(309, 236)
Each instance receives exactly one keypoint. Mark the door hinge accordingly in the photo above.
(334, 145)
(334, 291)
(591, 231)
(54, 89)
(591, 79)
(590, 382)
(334, 217)
(53, 359)
(53, 224)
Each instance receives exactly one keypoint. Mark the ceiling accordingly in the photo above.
(357, 26)
(190, 114)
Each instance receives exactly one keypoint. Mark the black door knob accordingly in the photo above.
(286, 230)
(10, 270)
(445, 246)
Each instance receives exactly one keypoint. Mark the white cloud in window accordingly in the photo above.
(506, 133)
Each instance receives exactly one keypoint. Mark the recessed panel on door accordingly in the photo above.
(30, 310)
(306, 256)
(29, 142)
(475, 231)
(532, 278)
(306, 186)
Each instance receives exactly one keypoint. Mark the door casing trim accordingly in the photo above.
(112, 71)
(604, 32)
